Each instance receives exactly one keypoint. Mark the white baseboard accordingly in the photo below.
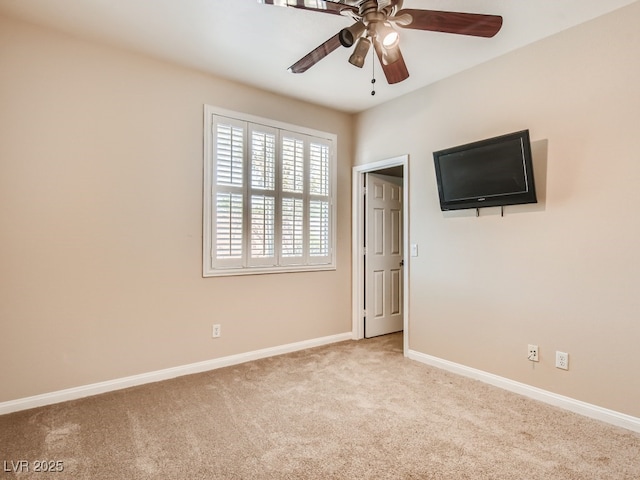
(567, 403)
(158, 375)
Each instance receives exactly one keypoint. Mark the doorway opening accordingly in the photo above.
(397, 172)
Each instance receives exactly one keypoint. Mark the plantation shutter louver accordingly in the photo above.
(292, 165)
(292, 229)
(229, 226)
(262, 227)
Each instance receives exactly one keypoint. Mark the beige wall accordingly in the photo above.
(101, 220)
(564, 274)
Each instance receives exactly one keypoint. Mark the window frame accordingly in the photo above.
(246, 265)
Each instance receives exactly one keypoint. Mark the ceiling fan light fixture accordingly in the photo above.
(388, 36)
(349, 35)
(360, 52)
(390, 40)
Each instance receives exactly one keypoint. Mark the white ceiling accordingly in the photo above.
(254, 44)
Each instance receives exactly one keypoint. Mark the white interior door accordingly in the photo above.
(383, 255)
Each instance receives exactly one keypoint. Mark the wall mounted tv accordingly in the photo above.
(493, 172)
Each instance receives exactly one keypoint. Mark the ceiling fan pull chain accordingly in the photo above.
(373, 73)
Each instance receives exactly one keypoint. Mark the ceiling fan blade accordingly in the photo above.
(315, 55)
(474, 24)
(396, 71)
(313, 5)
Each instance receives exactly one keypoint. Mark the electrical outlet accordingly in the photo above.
(532, 354)
(562, 360)
(216, 330)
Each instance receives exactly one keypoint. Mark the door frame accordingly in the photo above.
(357, 239)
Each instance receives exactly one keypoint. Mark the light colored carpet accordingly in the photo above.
(353, 410)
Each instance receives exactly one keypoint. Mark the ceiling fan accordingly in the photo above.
(375, 24)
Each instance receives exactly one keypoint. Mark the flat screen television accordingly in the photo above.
(493, 172)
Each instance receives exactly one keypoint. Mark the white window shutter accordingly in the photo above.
(262, 191)
(319, 169)
(270, 204)
(229, 141)
(263, 159)
(292, 231)
(292, 164)
(229, 219)
(320, 234)
(263, 224)
(229, 157)
(319, 231)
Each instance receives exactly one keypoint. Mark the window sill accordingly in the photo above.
(229, 272)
